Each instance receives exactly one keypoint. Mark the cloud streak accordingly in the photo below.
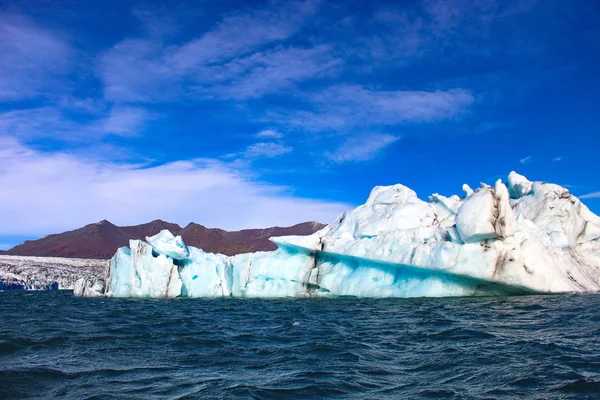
(124, 121)
(593, 195)
(32, 59)
(345, 106)
(266, 149)
(525, 160)
(53, 123)
(362, 148)
(269, 134)
(271, 71)
(228, 61)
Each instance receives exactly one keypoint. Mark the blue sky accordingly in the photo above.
(257, 113)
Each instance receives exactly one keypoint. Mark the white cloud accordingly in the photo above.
(557, 159)
(32, 59)
(50, 192)
(593, 195)
(133, 71)
(51, 122)
(239, 33)
(39, 122)
(406, 31)
(227, 61)
(394, 106)
(266, 72)
(525, 160)
(269, 134)
(345, 106)
(362, 148)
(124, 121)
(266, 149)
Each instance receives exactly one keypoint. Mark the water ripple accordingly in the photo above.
(55, 345)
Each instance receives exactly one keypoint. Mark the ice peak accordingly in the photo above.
(467, 189)
(393, 194)
(169, 245)
(518, 185)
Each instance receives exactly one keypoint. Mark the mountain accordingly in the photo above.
(244, 241)
(102, 239)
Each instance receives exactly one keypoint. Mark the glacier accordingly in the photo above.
(521, 237)
(49, 273)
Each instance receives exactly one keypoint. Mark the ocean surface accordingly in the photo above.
(55, 345)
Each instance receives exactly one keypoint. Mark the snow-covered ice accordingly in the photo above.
(523, 237)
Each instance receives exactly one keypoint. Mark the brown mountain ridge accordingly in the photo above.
(102, 239)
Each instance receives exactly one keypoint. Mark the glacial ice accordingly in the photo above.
(50, 273)
(171, 246)
(527, 237)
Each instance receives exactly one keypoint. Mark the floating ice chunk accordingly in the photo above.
(87, 288)
(171, 246)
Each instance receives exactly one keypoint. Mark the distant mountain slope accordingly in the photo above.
(102, 239)
(244, 241)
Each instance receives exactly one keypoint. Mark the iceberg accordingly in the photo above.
(522, 237)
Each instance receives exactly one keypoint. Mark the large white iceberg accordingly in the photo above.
(524, 237)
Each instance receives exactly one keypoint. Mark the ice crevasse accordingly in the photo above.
(522, 237)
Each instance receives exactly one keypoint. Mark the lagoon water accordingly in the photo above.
(55, 345)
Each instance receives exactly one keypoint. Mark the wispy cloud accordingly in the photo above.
(269, 134)
(241, 32)
(344, 106)
(133, 71)
(50, 192)
(54, 123)
(32, 59)
(557, 159)
(253, 53)
(361, 148)
(592, 195)
(42, 122)
(403, 34)
(525, 160)
(227, 61)
(395, 106)
(266, 149)
(124, 121)
(266, 72)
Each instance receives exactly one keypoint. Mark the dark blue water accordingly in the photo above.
(55, 345)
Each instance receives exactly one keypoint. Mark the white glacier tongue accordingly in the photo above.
(529, 237)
